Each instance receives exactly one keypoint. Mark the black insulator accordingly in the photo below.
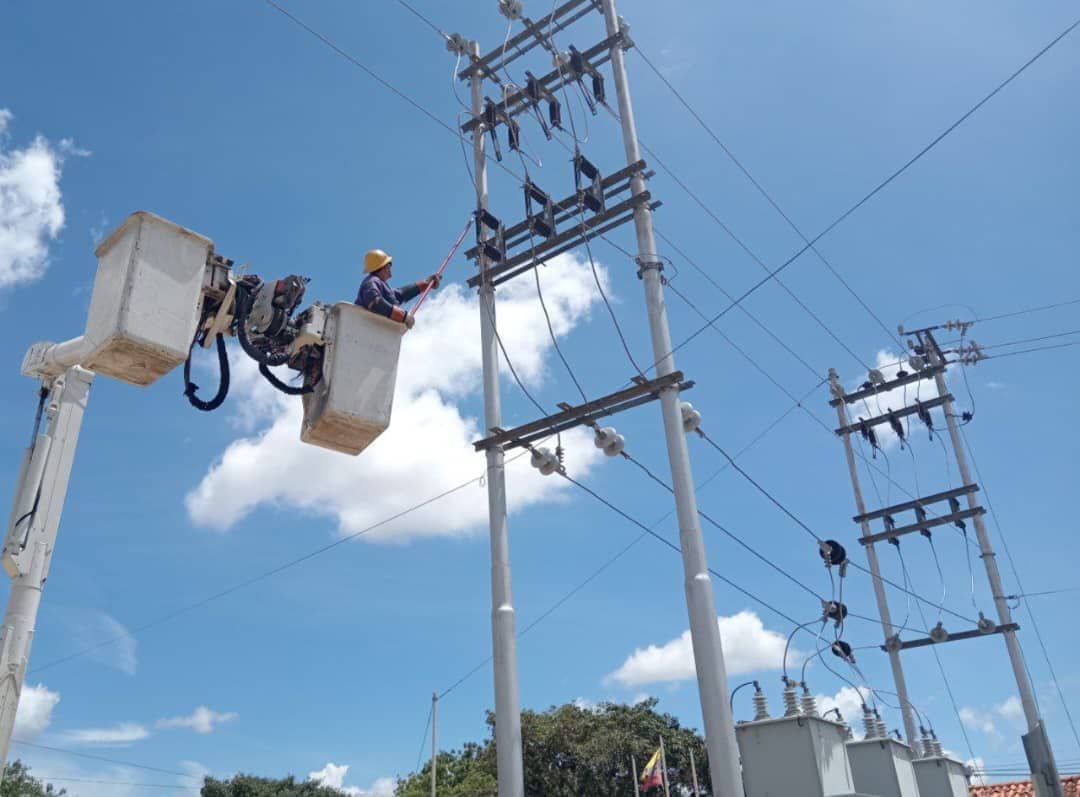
(488, 219)
(513, 135)
(966, 416)
(894, 541)
(532, 87)
(925, 417)
(555, 113)
(832, 552)
(586, 167)
(577, 61)
(897, 427)
(836, 611)
(598, 87)
(869, 435)
(842, 650)
(901, 373)
(867, 385)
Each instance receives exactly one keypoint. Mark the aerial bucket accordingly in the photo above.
(350, 405)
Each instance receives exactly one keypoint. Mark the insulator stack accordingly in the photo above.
(882, 730)
(848, 735)
(809, 703)
(791, 699)
(935, 745)
(691, 418)
(926, 747)
(544, 461)
(761, 704)
(609, 441)
(869, 723)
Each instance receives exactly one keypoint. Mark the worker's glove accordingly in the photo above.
(434, 280)
(410, 321)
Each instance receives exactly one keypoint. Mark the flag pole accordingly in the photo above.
(693, 774)
(633, 769)
(663, 767)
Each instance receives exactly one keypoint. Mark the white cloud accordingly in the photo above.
(978, 720)
(333, 776)
(748, 647)
(31, 210)
(888, 363)
(986, 721)
(849, 701)
(1011, 709)
(201, 720)
(36, 703)
(977, 767)
(108, 640)
(121, 734)
(428, 448)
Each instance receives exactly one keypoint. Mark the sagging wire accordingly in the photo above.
(794, 631)
(551, 329)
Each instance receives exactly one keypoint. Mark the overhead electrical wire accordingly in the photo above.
(104, 759)
(1026, 311)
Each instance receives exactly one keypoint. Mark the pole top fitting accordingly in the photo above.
(458, 44)
(648, 264)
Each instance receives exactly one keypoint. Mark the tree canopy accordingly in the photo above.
(251, 786)
(572, 750)
(18, 782)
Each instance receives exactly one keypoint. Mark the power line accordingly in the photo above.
(93, 757)
(884, 183)
(53, 779)
(1030, 351)
(761, 189)
(1031, 340)
(1029, 309)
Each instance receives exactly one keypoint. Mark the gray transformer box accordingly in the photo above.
(941, 777)
(794, 755)
(883, 767)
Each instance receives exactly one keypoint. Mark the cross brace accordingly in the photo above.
(642, 392)
(926, 373)
(900, 413)
(922, 642)
(907, 506)
(944, 520)
(564, 241)
(533, 34)
(518, 101)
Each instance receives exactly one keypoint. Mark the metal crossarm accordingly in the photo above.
(533, 34)
(642, 392)
(900, 413)
(614, 184)
(519, 101)
(923, 642)
(907, 506)
(869, 392)
(900, 531)
(563, 241)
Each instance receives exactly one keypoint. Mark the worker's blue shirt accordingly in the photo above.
(376, 295)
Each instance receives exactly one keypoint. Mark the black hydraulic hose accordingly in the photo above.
(223, 384)
(244, 299)
(282, 386)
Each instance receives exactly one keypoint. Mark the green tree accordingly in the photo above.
(19, 783)
(570, 751)
(251, 786)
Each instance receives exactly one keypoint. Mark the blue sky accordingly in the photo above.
(232, 121)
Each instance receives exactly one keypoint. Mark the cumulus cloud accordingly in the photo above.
(890, 365)
(201, 720)
(986, 720)
(427, 449)
(31, 210)
(36, 703)
(333, 776)
(849, 701)
(748, 647)
(123, 733)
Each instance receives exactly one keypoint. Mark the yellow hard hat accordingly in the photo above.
(375, 259)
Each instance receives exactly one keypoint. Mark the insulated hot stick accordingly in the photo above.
(442, 267)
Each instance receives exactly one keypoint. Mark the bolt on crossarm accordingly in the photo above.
(704, 630)
(875, 570)
(511, 772)
(1036, 743)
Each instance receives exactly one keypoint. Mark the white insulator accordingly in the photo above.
(869, 723)
(935, 745)
(848, 735)
(691, 418)
(926, 748)
(882, 730)
(609, 441)
(809, 703)
(791, 700)
(917, 362)
(544, 461)
(761, 705)
(875, 377)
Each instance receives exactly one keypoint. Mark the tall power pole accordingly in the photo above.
(704, 630)
(875, 569)
(1036, 743)
(511, 771)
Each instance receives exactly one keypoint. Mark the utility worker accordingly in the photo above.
(376, 294)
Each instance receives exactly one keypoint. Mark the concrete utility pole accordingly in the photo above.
(875, 569)
(704, 630)
(31, 536)
(511, 771)
(434, 738)
(1036, 743)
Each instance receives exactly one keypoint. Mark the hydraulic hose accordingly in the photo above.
(190, 387)
(282, 386)
(244, 300)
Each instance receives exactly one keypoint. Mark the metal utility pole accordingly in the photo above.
(875, 570)
(704, 630)
(511, 771)
(434, 736)
(1037, 744)
(31, 535)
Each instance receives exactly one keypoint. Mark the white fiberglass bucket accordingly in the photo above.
(351, 405)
